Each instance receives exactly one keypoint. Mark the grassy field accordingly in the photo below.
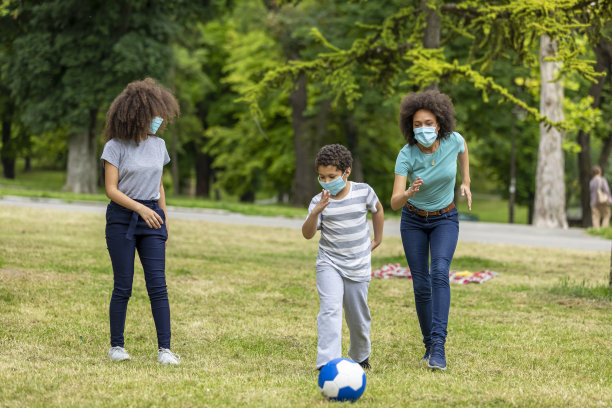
(244, 305)
(48, 184)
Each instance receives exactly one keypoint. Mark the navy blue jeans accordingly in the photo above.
(127, 232)
(436, 236)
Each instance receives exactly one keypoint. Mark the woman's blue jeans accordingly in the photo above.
(127, 232)
(436, 236)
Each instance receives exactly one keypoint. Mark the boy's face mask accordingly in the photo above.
(155, 124)
(334, 186)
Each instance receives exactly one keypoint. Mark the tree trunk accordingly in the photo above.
(549, 208)
(8, 153)
(82, 159)
(431, 36)
(203, 172)
(352, 141)
(602, 52)
(303, 179)
(606, 150)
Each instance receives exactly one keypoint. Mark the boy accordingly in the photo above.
(343, 264)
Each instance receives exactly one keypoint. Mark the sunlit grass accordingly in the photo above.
(244, 306)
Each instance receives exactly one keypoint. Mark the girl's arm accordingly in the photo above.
(464, 163)
(162, 205)
(111, 180)
(378, 221)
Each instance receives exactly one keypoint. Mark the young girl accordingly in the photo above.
(133, 160)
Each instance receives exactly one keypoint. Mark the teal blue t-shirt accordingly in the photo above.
(438, 170)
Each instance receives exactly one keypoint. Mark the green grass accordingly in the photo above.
(491, 208)
(244, 306)
(601, 232)
(48, 184)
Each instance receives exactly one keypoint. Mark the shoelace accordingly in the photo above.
(118, 348)
(168, 351)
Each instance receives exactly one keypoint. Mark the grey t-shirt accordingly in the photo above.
(140, 167)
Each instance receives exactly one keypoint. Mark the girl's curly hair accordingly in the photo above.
(130, 114)
(334, 155)
(432, 100)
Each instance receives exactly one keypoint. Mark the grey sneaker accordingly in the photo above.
(165, 356)
(117, 354)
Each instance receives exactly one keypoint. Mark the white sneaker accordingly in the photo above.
(117, 354)
(165, 356)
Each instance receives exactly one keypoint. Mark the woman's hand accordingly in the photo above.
(414, 187)
(149, 216)
(465, 192)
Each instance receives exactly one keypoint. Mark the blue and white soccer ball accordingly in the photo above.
(342, 379)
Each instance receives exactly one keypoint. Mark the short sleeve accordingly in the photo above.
(371, 200)
(166, 156)
(401, 163)
(111, 153)
(459, 141)
(311, 207)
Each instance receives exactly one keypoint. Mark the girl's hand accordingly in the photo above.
(324, 202)
(414, 187)
(375, 244)
(465, 192)
(149, 216)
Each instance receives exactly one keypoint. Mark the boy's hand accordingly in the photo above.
(375, 244)
(324, 202)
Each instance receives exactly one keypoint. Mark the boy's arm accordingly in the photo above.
(309, 229)
(378, 221)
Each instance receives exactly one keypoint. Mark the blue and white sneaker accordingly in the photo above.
(117, 354)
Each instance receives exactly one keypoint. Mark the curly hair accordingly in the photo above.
(334, 155)
(130, 114)
(432, 100)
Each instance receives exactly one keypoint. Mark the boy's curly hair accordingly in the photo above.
(130, 114)
(432, 100)
(334, 155)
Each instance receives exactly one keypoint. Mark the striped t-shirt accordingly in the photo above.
(345, 236)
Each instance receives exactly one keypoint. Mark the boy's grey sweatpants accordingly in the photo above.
(334, 292)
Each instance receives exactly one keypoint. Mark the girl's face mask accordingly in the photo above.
(155, 124)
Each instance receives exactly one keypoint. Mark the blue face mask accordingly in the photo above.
(155, 124)
(425, 135)
(334, 186)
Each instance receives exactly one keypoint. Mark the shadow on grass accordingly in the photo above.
(582, 289)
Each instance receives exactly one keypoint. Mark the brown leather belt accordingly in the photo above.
(424, 213)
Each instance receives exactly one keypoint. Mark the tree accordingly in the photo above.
(394, 49)
(71, 58)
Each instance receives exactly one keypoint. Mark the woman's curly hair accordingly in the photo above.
(334, 155)
(130, 114)
(432, 100)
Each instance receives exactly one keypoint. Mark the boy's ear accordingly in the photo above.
(348, 172)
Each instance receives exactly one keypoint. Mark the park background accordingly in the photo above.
(262, 84)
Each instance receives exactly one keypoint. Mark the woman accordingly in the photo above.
(600, 199)
(133, 160)
(429, 224)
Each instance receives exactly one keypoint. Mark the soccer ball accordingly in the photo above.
(342, 379)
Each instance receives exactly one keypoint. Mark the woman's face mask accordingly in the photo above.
(425, 135)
